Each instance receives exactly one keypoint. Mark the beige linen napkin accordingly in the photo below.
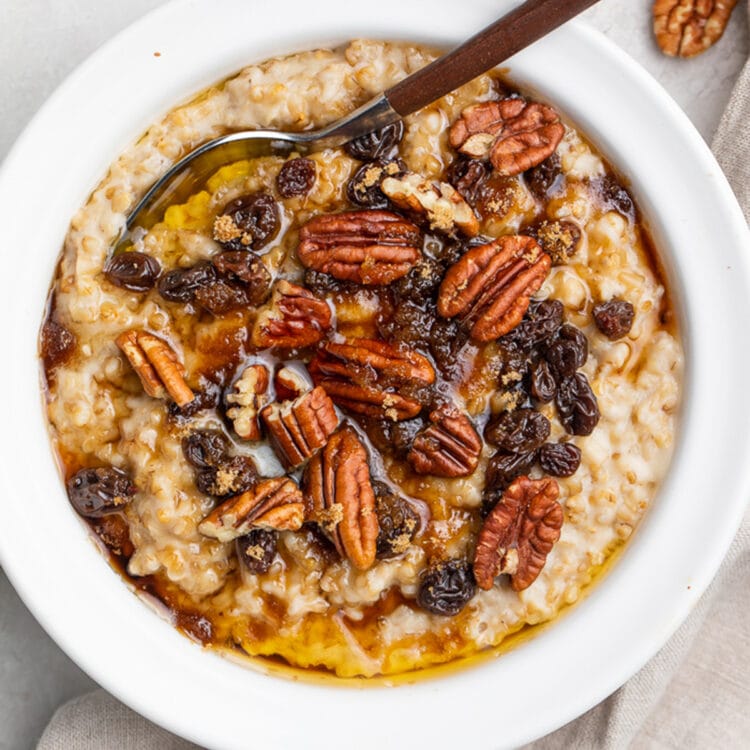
(694, 694)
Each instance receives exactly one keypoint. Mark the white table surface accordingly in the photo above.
(41, 41)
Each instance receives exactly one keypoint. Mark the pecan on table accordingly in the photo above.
(490, 287)
(449, 447)
(246, 399)
(272, 504)
(294, 318)
(515, 134)
(519, 533)
(157, 366)
(438, 202)
(340, 497)
(686, 28)
(297, 429)
(372, 378)
(366, 247)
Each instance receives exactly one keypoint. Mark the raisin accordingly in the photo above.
(560, 459)
(57, 344)
(321, 284)
(467, 175)
(446, 588)
(256, 550)
(576, 405)
(559, 239)
(256, 216)
(380, 144)
(543, 384)
(205, 448)
(421, 284)
(397, 520)
(545, 178)
(222, 297)
(447, 339)
(207, 398)
(504, 467)
(114, 531)
(135, 271)
(519, 431)
(247, 268)
(393, 437)
(613, 196)
(407, 324)
(496, 196)
(230, 477)
(296, 178)
(363, 189)
(541, 323)
(569, 352)
(96, 492)
(181, 284)
(614, 318)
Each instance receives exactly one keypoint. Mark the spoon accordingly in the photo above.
(513, 32)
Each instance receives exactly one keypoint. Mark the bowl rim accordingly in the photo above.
(567, 668)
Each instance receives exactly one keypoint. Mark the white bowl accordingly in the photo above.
(570, 666)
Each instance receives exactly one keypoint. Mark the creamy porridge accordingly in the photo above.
(373, 408)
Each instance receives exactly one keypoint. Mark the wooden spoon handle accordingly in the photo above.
(491, 46)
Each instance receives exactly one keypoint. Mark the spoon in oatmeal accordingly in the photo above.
(515, 31)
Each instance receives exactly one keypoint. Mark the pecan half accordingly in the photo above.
(449, 447)
(272, 504)
(490, 287)
(367, 247)
(297, 429)
(294, 318)
(689, 27)
(340, 498)
(246, 399)
(372, 378)
(515, 134)
(157, 366)
(289, 384)
(438, 202)
(519, 533)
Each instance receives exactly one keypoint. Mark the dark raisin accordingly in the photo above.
(96, 492)
(231, 477)
(421, 284)
(205, 448)
(560, 459)
(257, 549)
(57, 344)
(569, 352)
(613, 196)
(137, 272)
(559, 239)
(519, 431)
(447, 338)
(540, 324)
(504, 467)
(467, 175)
(296, 178)
(222, 297)
(408, 323)
(380, 144)
(393, 437)
(255, 217)
(576, 405)
(363, 189)
(321, 284)
(247, 268)
(446, 588)
(545, 178)
(614, 318)
(543, 385)
(181, 284)
(397, 520)
(208, 397)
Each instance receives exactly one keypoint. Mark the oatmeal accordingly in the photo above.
(367, 409)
